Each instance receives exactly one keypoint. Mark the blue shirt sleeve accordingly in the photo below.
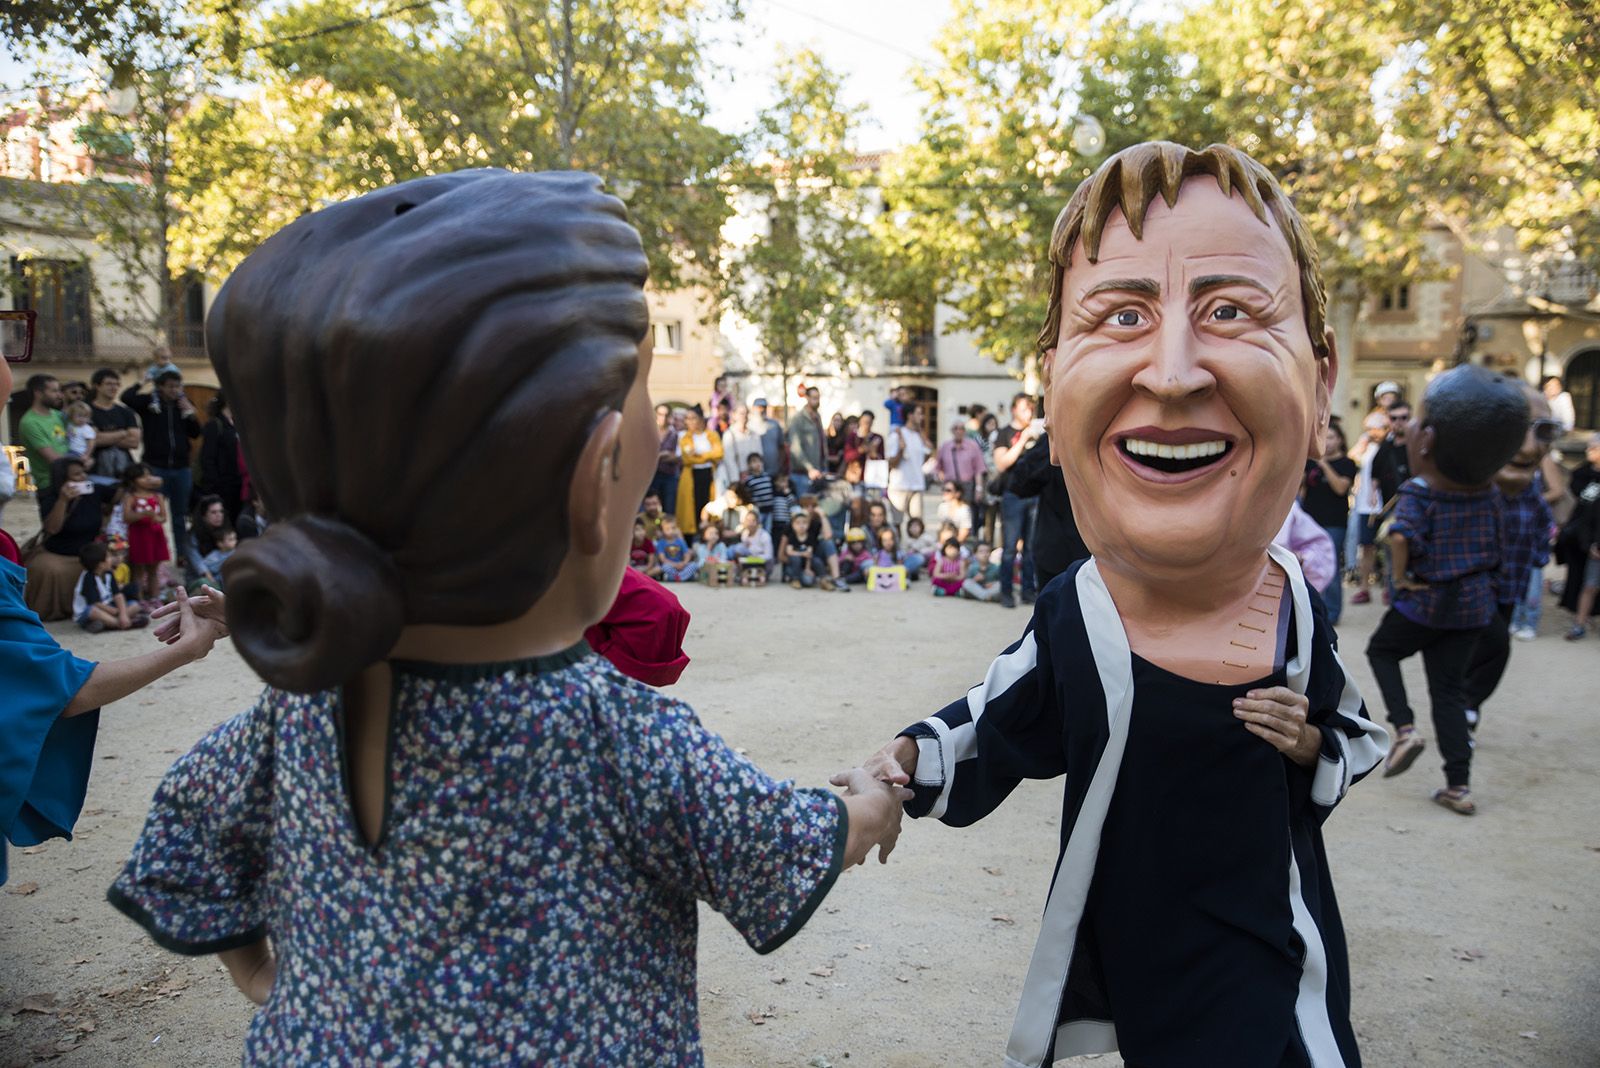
(709, 822)
(44, 758)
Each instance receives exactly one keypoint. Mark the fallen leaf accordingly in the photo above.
(75, 961)
(777, 980)
(994, 871)
(45, 1004)
(32, 850)
(66, 919)
(902, 978)
(108, 756)
(1468, 954)
(22, 889)
(170, 750)
(715, 991)
(1429, 978)
(819, 1061)
(1527, 1034)
(1001, 917)
(822, 972)
(1400, 830)
(863, 945)
(93, 812)
(67, 1045)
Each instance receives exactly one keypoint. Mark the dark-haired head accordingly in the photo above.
(132, 474)
(92, 555)
(1470, 423)
(503, 313)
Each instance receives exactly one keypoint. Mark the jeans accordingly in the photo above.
(799, 483)
(1489, 658)
(1352, 540)
(1016, 523)
(1445, 656)
(914, 563)
(1529, 610)
(1333, 594)
(796, 569)
(666, 487)
(178, 483)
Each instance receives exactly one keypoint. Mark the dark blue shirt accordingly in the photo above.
(1455, 542)
(1527, 544)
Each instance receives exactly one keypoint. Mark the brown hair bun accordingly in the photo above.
(310, 597)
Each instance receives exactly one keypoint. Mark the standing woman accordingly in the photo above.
(988, 427)
(702, 451)
(1326, 499)
(833, 443)
(220, 473)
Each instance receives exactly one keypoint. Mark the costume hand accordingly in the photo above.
(253, 969)
(1278, 714)
(895, 763)
(875, 815)
(194, 623)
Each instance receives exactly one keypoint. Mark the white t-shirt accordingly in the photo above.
(1369, 498)
(907, 474)
(959, 514)
(80, 439)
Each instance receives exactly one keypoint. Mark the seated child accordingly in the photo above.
(728, 509)
(755, 551)
(1445, 542)
(886, 571)
(678, 563)
(714, 557)
(948, 570)
(97, 604)
(226, 540)
(799, 554)
(443, 794)
(920, 547)
(650, 511)
(983, 575)
(642, 553)
(856, 557)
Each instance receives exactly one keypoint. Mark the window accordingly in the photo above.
(189, 330)
(59, 291)
(668, 335)
(1582, 379)
(1397, 299)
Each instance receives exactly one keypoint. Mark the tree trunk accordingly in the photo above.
(1344, 307)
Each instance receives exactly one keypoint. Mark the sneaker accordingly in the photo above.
(1472, 719)
(1578, 631)
(1406, 749)
(826, 584)
(797, 584)
(94, 626)
(1524, 634)
(1361, 597)
(1030, 597)
(1007, 601)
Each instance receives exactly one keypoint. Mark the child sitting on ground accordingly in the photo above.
(948, 570)
(798, 554)
(919, 548)
(81, 432)
(642, 553)
(983, 575)
(226, 541)
(678, 563)
(855, 558)
(714, 557)
(1445, 543)
(97, 604)
(443, 794)
(755, 551)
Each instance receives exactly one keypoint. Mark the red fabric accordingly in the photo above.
(8, 549)
(643, 633)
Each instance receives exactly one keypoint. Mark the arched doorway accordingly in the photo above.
(1582, 380)
(926, 398)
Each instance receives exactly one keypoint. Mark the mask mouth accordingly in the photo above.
(1175, 458)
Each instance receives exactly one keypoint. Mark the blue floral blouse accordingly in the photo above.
(531, 898)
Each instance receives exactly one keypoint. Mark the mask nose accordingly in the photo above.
(1174, 373)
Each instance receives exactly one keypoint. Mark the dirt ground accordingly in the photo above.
(1474, 942)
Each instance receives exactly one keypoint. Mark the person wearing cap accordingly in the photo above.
(774, 443)
(1384, 394)
(856, 558)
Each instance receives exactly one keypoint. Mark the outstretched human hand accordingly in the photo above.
(210, 606)
(895, 763)
(875, 815)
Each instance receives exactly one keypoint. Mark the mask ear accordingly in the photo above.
(1047, 378)
(1327, 375)
(594, 483)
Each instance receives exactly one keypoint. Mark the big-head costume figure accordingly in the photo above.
(1184, 679)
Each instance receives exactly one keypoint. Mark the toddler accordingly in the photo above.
(714, 558)
(755, 551)
(226, 541)
(799, 552)
(983, 575)
(783, 502)
(642, 553)
(856, 557)
(947, 571)
(80, 432)
(1445, 543)
(449, 833)
(677, 560)
(920, 547)
(145, 510)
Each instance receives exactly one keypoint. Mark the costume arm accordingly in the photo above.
(974, 752)
(1352, 745)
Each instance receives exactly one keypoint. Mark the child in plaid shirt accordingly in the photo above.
(1445, 546)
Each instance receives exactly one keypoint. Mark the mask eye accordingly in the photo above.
(1127, 317)
(1226, 313)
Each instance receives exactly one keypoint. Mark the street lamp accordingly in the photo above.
(1536, 332)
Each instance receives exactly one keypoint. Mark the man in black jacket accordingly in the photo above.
(168, 423)
(1390, 466)
(1056, 542)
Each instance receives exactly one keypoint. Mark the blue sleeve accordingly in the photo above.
(712, 824)
(975, 751)
(44, 758)
(198, 875)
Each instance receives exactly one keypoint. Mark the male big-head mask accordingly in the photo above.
(1188, 362)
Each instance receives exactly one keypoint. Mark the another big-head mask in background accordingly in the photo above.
(1188, 364)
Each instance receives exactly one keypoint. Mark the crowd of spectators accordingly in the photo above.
(137, 495)
(740, 498)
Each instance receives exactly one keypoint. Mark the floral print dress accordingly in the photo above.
(548, 828)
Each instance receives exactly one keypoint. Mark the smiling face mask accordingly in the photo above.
(1185, 388)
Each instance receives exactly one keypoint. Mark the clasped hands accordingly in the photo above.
(874, 794)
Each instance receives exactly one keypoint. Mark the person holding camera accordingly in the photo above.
(72, 517)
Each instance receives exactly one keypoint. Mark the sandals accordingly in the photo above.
(1456, 799)
(1406, 749)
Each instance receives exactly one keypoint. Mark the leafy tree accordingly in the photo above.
(799, 280)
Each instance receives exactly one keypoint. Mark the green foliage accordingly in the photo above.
(800, 279)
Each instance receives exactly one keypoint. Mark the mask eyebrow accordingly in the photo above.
(1148, 286)
(1216, 281)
